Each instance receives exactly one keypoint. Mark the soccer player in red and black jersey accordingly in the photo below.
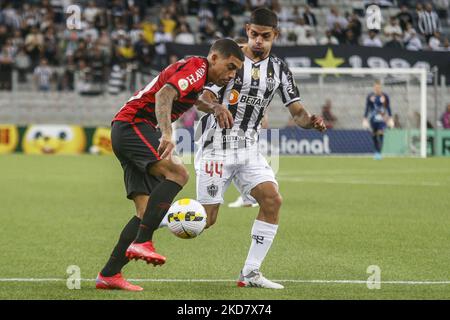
(142, 141)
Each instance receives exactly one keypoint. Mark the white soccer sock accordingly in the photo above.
(262, 238)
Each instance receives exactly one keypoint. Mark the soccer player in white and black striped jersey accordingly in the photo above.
(224, 140)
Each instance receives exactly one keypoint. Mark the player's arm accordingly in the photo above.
(207, 102)
(365, 122)
(305, 119)
(164, 99)
(390, 121)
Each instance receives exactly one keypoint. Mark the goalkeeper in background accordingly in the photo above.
(377, 116)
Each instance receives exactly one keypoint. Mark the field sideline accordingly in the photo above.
(339, 216)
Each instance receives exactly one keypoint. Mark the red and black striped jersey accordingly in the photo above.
(187, 76)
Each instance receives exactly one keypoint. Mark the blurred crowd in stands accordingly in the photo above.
(116, 38)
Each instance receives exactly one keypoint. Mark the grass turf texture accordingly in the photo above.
(339, 216)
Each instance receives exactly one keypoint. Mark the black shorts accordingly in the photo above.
(136, 145)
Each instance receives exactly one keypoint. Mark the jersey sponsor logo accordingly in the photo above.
(183, 84)
(254, 101)
(212, 190)
(234, 95)
(199, 73)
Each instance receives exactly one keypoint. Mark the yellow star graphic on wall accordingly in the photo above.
(330, 61)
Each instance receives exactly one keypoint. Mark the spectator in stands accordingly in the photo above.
(184, 36)
(434, 42)
(404, 17)
(350, 38)
(417, 15)
(300, 30)
(161, 38)
(68, 77)
(6, 65)
(446, 45)
(395, 42)
(338, 32)
(309, 17)
(355, 25)
(226, 24)
(429, 22)
(393, 27)
(43, 76)
(255, 4)
(117, 79)
(90, 12)
(372, 40)
(328, 39)
(333, 17)
(446, 118)
(328, 117)
(308, 40)
(22, 63)
(412, 41)
(34, 45)
(442, 8)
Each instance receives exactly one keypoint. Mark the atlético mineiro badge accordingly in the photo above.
(212, 190)
(270, 83)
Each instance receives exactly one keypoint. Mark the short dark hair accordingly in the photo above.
(264, 17)
(227, 48)
(241, 40)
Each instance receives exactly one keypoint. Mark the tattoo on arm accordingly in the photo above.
(301, 116)
(163, 108)
(207, 102)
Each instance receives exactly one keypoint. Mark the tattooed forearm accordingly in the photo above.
(301, 116)
(163, 108)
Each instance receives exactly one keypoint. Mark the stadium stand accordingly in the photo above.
(131, 35)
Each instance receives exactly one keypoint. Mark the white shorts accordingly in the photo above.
(214, 175)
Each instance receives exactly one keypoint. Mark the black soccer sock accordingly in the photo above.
(157, 207)
(380, 141)
(376, 143)
(118, 259)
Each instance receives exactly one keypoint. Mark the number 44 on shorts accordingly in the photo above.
(214, 167)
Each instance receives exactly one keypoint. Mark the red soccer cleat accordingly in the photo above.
(116, 282)
(145, 251)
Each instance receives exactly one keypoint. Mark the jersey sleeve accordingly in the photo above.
(214, 89)
(189, 78)
(368, 104)
(288, 88)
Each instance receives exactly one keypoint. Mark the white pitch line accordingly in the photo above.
(447, 282)
(357, 182)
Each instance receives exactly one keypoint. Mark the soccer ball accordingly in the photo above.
(186, 218)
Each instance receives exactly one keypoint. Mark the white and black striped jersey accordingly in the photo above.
(248, 96)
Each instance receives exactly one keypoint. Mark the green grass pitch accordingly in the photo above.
(339, 216)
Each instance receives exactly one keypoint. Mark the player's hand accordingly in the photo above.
(223, 116)
(166, 147)
(365, 124)
(390, 123)
(318, 123)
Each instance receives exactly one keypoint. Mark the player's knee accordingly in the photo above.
(273, 202)
(179, 174)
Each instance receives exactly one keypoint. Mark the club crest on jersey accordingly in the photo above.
(270, 83)
(212, 190)
(183, 84)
